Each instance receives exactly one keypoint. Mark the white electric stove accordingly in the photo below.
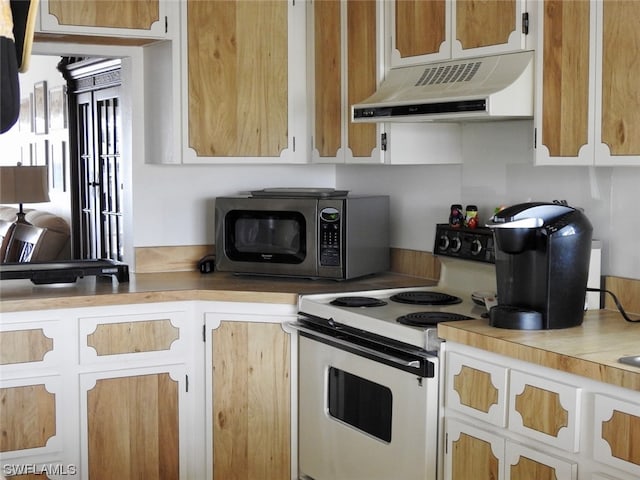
(369, 379)
(411, 315)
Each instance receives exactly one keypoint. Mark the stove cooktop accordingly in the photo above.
(466, 261)
(387, 317)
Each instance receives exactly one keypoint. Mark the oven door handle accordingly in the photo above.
(354, 346)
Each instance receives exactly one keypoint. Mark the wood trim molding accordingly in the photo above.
(170, 259)
(415, 263)
(626, 289)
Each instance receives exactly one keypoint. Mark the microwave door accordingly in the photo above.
(270, 236)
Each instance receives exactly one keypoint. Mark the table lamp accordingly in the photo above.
(20, 184)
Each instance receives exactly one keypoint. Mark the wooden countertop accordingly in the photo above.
(22, 295)
(590, 350)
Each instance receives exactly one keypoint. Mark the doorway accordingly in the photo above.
(95, 131)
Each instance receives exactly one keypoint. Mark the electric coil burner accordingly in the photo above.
(418, 297)
(358, 302)
(424, 319)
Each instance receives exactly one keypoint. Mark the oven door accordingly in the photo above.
(361, 418)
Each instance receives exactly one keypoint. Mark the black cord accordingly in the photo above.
(617, 302)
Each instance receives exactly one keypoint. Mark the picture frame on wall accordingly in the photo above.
(58, 108)
(41, 157)
(40, 107)
(58, 162)
(26, 114)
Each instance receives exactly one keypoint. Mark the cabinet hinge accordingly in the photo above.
(446, 443)
(383, 142)
(204, 333)
(535, 138)
(294, 144)
(525, 23)
(166, 24)
(186, 382)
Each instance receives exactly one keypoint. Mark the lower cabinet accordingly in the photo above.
(512, 420)
(133, 424)
(249, 383)
(121, 392)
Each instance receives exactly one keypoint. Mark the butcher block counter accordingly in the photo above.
(22, 295)
(590, 350)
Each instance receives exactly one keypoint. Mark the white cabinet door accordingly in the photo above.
(129, 18)
(545, 410)
(524, 463)
(615, 433)
(477, 388)
(422, 32)
(244, 90)
(472, 453)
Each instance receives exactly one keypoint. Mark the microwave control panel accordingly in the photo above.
(330, 237)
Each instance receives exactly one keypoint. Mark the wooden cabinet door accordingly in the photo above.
(545, 410)
(523, 463)
(238, 89)
(617, 100)
(615, 433)
(132, 425)
(587, 107)
(471, 452)
(251, 401)
(36, 394)
(133, 18)
(565, 81)
(476, 388)
(345, 62)
(487, 27)
(440, 30)
(420, 31)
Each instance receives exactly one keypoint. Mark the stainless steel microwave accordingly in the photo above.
(334, 237)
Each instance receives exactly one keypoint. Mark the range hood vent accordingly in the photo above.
(496, 87)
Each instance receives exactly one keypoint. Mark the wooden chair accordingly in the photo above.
(6, 229)
(24, 243)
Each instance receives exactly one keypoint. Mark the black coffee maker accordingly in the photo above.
(542, 255)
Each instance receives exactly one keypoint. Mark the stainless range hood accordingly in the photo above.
(496, 87)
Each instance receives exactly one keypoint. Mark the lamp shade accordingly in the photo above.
(20, 184)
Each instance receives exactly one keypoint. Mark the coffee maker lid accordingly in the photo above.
(528, 215)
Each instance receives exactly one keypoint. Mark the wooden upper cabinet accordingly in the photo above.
(564, 71)
(105, 17)
(588, 104)
(238, 89)
(362, 72)
(421, 28)
(483, 23)
(328, 77)
(345, 62)
(441, 30)
(618, 119)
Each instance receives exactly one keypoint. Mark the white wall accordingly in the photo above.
(15, 144)
(498, 170)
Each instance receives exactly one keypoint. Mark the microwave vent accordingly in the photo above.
(461, 72)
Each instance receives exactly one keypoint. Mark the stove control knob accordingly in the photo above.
(456, 244)
(476, 247)
(443, 242)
